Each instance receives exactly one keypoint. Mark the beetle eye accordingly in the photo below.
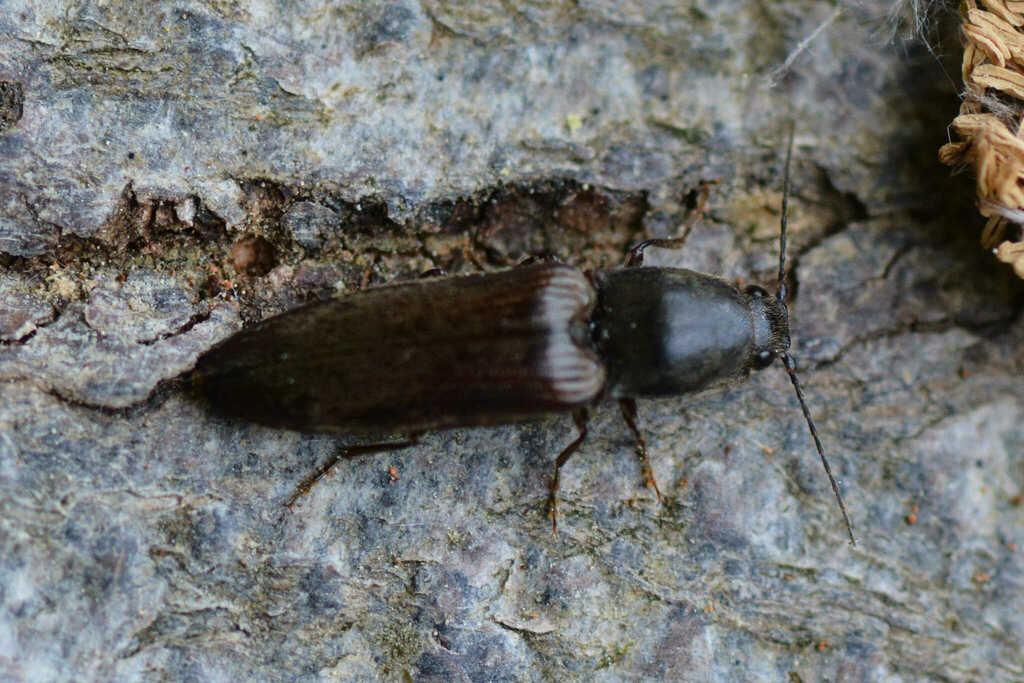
(754, 290)
(763, 359)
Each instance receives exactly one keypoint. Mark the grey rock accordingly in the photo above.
(309, 223)
(12, 104)
(142, 537)
(21, 310)
(142, 307)
(22, 233)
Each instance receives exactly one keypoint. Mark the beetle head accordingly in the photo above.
(771, 327)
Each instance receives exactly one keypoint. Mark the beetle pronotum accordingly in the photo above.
(503, 347)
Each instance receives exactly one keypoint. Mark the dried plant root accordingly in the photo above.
(991, 135)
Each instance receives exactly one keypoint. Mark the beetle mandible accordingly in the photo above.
(504, 347)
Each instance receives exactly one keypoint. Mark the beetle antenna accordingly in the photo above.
(787, 360)
(782, 291)
(790, 365)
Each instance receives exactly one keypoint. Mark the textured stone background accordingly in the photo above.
(171, 171)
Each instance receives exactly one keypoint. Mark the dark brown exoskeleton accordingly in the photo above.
(502, 347)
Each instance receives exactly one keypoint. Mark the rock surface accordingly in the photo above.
(171, 174)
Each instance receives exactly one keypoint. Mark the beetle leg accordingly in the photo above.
(433, 272)
(636, 254)
(579, 416)
(628, 407)
(344, 454)
(533, 259)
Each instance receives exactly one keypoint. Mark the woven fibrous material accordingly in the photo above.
(989, 123)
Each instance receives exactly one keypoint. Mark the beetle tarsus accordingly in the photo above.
(629, 414)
